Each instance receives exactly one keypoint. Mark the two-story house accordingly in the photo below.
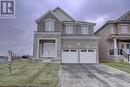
(59, 38)
(115, 39)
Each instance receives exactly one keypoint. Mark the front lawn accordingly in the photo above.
(25, 73)
(124, 66)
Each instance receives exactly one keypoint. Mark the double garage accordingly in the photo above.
(79, 56)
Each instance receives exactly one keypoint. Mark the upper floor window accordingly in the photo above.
(124, 29)
(49, 25)
(84, 30)
(69, 29)
(112, 44)
(99, 34)
(112, 31)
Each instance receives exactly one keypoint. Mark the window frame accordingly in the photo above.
(123, 31)
(83, 50)
(65, 50)
(69, 29)
(84, 30)
(112, 30)
(49, 25)
(91, 50)
(73, 50)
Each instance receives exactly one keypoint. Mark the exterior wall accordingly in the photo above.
(91, 30)
(73, 43)
(104, 44)
(41, 25)
(80, 44)
(77, 29)
(119, 27)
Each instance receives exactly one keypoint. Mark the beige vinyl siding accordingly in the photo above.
(104, 44)
(119, 28)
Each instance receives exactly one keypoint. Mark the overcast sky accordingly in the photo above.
(17, 34)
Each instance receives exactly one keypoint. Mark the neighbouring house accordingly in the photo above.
(60, 38)
(115, 39)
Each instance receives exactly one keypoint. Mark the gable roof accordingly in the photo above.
(49, 12)
(108, 22)
(62, 15)
(84, 22)
(123, 16)
(120, 19)
(59, 14)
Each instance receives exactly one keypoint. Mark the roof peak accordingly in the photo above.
(63, 12)
(124, 15)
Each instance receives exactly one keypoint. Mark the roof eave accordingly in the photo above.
(38, 20)
(64, 13)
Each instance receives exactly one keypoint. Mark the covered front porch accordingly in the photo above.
(120, 46)
(47, 50)
(47, 47)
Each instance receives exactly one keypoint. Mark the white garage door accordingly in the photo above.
(69, 56)
(88, 56)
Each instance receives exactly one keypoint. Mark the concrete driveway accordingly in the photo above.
(76, 75)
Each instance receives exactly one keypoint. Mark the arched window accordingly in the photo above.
(49, 25)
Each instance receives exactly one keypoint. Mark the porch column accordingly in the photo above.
(38, 48)
(115, 43)
(115, 47)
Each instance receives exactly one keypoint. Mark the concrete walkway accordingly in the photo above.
(74, 75)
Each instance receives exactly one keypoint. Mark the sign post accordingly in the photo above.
(9, 60)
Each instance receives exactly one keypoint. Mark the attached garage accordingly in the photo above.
(79, 56)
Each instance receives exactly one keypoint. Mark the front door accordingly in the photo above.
(127, 48)
(49, 50)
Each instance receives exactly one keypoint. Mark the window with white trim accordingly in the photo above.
(49, 25)
(124, 29)
(69, 29)
(112, 44)
(84, 30)
(112, 31)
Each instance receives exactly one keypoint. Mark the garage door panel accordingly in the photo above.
(69, 56)
(83, 56)
(88, 56)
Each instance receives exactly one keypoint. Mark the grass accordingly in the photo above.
(124, 66)
(25, 73)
